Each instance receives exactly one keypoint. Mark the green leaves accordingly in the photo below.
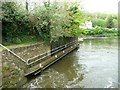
(110, 23)
(49, 21)
(75, 21)
(99, 31)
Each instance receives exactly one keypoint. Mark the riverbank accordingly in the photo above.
(100, 32)
(13, 64)
(19, 62)
(98, 37)
(93, 37)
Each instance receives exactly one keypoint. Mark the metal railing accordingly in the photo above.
(13, 53)
(43, 55)
(48, 53)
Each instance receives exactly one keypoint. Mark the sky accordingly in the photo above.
(104, 6)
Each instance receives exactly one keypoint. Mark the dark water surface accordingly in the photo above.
(93, 65)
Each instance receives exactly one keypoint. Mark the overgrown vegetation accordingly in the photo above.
(16, 24)
(103, 20)
(48, 22)
(51, 21)
(99, 31)
(104, 25)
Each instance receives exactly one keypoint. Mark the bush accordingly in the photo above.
(99, 31)
(48, 22)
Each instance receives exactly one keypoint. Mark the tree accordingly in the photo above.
(99, 22)
(115, 21)
(48, 21)
(76, 18)
(110, 23)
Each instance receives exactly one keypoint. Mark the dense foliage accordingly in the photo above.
(99, 31)
(48, 22)
(16, 24)
(103, 24)
(103, 20)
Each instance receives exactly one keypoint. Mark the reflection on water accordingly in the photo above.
(93, 65)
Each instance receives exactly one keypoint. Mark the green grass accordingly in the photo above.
(23, 41)
(19, 40)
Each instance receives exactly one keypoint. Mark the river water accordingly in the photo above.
(93, 65)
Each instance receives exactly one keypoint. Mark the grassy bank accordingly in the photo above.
(24, 39)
